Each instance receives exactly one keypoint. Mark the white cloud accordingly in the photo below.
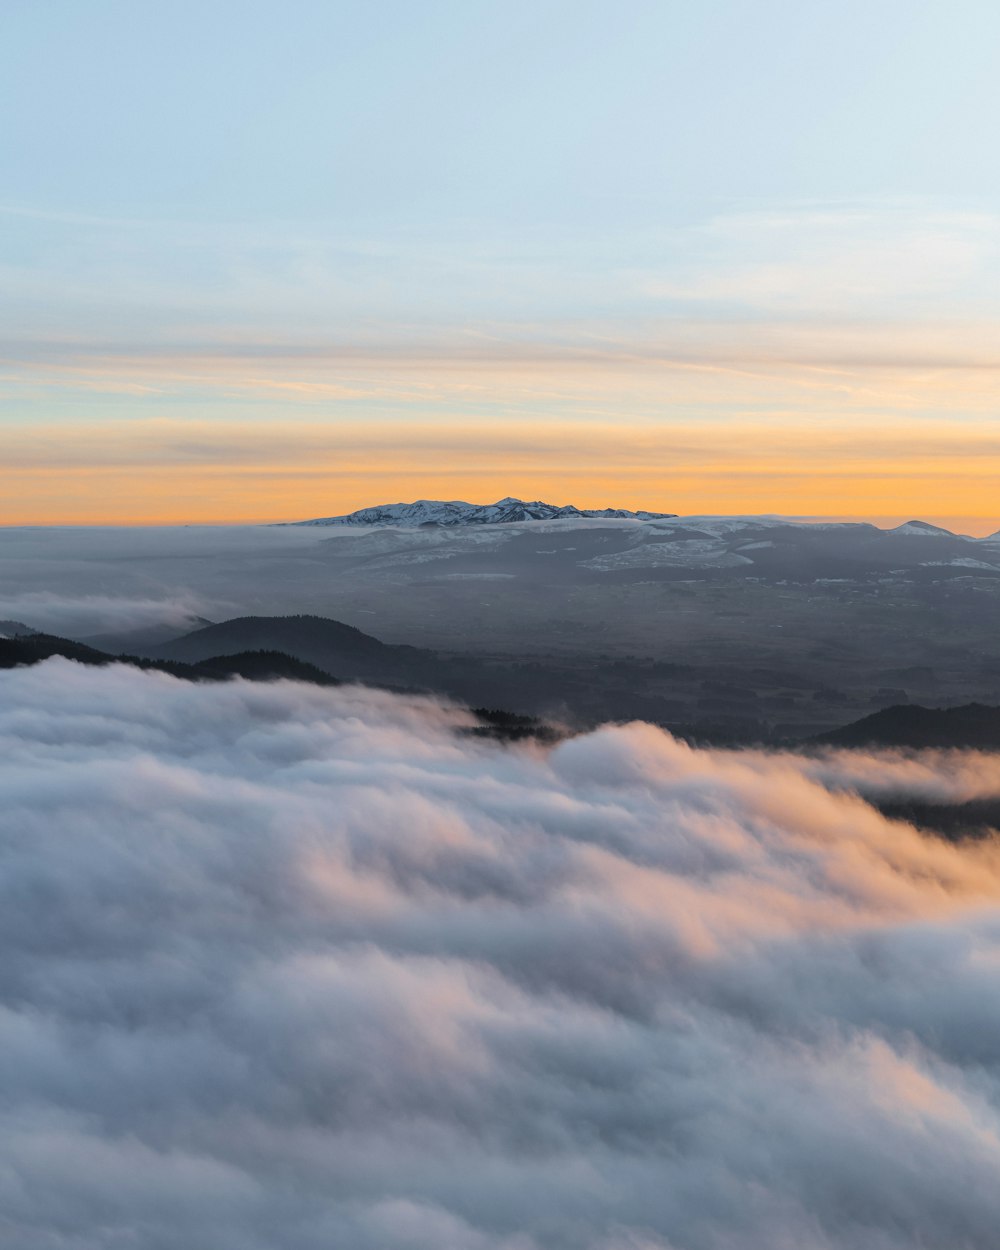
(864, 262)
(292, 967)
(77, 615)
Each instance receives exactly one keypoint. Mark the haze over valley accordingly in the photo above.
(752, 627)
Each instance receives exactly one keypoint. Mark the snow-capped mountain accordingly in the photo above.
(457, 512)
(920, 529)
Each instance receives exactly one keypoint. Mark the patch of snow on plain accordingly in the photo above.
(964, 562)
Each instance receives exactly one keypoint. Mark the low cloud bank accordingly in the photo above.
(76, 616)
(932, 775)
(302, 968)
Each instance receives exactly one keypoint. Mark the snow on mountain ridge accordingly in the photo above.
(458, 512)
(920, 529)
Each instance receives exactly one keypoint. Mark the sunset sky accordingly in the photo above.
(266, 262)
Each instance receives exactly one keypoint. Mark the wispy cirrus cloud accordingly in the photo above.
(827, 331)
(897, 260)
(904, 263)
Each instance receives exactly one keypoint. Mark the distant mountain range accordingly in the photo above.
(429, 540)
(457, 512)
(511, 510)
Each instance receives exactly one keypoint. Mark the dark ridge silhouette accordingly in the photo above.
(495, 723)
(353, 655)
(316, 633)
(32, 648)
(331, 646)
(910, 725)
(254, 665)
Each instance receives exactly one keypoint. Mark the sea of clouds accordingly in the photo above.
(289, 968)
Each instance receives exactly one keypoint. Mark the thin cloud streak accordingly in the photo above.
(780, 337)
(169, 471)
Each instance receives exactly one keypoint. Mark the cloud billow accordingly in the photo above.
(295, 967)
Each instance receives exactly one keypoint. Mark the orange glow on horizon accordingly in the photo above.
(816, 420)
(959, 491)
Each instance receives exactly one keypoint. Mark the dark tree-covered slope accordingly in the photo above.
(909, 725)
(255, 665)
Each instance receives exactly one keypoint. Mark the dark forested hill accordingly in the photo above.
(331, 645)
(909, 725)
(31, 648)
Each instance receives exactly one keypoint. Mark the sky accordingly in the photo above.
(265, 262)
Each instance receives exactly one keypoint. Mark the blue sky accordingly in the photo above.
(380, 114)
(233, 225)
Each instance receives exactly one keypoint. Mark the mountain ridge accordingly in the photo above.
(911, 725)
(449, 512)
